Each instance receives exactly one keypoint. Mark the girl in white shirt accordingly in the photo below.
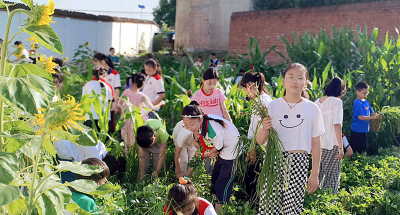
(254, 86)
(224, 136)
(154, 84)
(299, 124)
(100, 87)
(331, 142)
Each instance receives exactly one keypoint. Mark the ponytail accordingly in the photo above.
(115, 165)
(101, 56)
(155, 64)
(257, 78)
(210, 73)
(97, 72)
(193, 109)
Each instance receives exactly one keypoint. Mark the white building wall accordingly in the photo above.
(100, 35)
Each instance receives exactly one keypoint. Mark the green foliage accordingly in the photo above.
(16, 91)
(142, 42)
(46, 37)
(165, 12)
(161, 38)
(29, 182)
(276, 4)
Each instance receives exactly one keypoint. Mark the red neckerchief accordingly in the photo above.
(109, 85)
(203, 133)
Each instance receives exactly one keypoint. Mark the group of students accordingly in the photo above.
(305, 128)
(214, 61)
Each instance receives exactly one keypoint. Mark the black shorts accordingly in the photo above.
(358, 142)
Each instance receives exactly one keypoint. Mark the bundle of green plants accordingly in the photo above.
(274, 164)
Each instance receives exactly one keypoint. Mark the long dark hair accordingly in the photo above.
(155, 64)
(298, 66)
(257, 78)
(335, 88)
(101, 56)
(181, 195)
(210, 73)
(97, 72)
(193, 109)
(136, 78)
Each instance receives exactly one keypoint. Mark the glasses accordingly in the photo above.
(297, 80)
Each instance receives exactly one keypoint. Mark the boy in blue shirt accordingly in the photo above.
(113, 57)
(362, 114)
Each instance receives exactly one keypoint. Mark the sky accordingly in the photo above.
(119, 8)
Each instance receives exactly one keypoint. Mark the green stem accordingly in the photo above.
(26, 168)
(44, 180)
(31, 202)
(50, 188)
(3, 67)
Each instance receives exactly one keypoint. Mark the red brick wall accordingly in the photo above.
(269, 25)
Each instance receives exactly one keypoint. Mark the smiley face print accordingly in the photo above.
(291, 120)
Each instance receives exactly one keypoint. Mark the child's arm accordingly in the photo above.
(161, 96)
(338, 132)
(148, 104)
(116, 97)
(263, 132)
(142, 163)
(161, 159)
(178, 151)
(225, 112)
(313, 182)
(373, 116)
(213, 152)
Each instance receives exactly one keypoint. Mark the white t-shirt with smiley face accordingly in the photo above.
(296, 126)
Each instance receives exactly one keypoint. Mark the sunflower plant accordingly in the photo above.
(30, 123)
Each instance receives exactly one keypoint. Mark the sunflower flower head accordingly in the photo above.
(48, 63)
(59, 115)
(47, 14)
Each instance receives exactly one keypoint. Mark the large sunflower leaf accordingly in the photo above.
(19, 70)
(27, 93)
(46, 36)
(8, 193)
(54, 198)
(8, 167)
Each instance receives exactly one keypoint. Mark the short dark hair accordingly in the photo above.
(213, 54)
(362, 85)
(96, 177)
(17, 43)
(1, 41)
(200, 57)
(335, 87)
(144, 136)
(112, 49)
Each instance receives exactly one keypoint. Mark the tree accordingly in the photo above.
(165, 12)
(273, 4)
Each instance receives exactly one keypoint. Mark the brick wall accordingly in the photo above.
(269, 25)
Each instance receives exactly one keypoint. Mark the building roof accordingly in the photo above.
(84, 16)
